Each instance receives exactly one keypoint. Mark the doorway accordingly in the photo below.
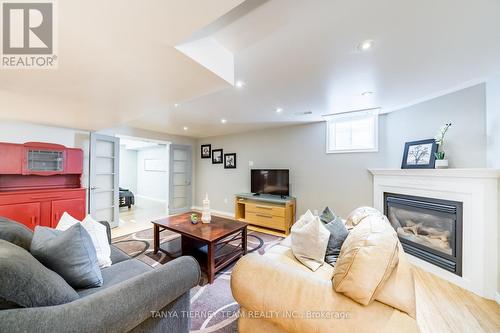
(143, 183)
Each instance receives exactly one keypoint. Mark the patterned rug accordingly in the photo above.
(213, 304)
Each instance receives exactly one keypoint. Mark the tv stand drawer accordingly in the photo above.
(266, 220)
(267, 209)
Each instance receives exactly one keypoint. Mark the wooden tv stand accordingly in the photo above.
(266, 213)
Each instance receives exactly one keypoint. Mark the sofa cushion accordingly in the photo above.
(283, 254)
(309, 240)
(117, 273)
(27, 283)
(367, 259)
(70, 253)
(357, 215)
(15, 233)
(118, 255)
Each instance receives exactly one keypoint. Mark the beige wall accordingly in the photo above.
(342, 181)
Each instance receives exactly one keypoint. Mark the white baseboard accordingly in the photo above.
(150, 198)
(497, 298)
(214, 212)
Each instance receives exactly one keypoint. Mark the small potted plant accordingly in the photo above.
(441, 162)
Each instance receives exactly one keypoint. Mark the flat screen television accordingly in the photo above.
(270, 181)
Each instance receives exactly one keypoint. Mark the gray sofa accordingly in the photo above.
(133, 298)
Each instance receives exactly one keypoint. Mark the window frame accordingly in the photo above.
(352, 116)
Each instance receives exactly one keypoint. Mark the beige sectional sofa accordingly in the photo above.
(277, 293)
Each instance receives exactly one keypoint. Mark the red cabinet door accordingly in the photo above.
(74, 207)
(12, 159)
(74, 161)
(26, 213)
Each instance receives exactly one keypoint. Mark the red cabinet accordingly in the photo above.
(39, 182)
(43, 208)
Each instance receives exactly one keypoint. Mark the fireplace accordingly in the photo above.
(430, 229)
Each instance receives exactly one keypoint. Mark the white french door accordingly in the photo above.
(180, 191)
(104, 172)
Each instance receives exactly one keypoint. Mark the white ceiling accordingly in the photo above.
(121, 67)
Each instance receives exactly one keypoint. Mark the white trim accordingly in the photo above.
(137, 138)
(451, 172)
(497, 298)
(440, 93)
(214, 212)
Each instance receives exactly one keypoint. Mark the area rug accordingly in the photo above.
(212, 305)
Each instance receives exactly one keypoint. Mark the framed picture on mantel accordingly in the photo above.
(419, 154)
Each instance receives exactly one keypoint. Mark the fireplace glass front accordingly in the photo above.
(428, 228)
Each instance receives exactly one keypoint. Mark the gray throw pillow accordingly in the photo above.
(25, 282)
(327, 215)
(15, 233)
(338, 234)
(69, 253)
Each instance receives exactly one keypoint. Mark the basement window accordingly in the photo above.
(352, 132)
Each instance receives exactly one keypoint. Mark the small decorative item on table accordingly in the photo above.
(194, 219)
(441, 162)
(205, 215)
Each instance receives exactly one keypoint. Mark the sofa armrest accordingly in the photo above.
(299, 301)
(119, 308)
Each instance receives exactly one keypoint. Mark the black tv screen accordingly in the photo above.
(270, 181)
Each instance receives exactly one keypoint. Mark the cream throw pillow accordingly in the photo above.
(66, 221)
(96, 231)
(357, 215)
(367, 259)
(309, 241)
(99, 237)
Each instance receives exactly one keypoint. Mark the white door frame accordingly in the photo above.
(162, 142)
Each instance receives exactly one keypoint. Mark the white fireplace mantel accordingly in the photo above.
(478, 190)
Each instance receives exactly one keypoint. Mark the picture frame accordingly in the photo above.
(419, 154)
(230, 161)
(217, 156)
(206, 151)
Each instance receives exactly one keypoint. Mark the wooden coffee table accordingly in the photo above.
(208, 243)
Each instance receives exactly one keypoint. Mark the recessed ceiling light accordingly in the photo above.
(365, 45)
(223, 120)
(176, 105)
(279, 110)
(240, 84)
(367, 93)
(185, 128)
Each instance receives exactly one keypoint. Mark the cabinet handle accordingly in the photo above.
(264, 215)
(264, 207)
